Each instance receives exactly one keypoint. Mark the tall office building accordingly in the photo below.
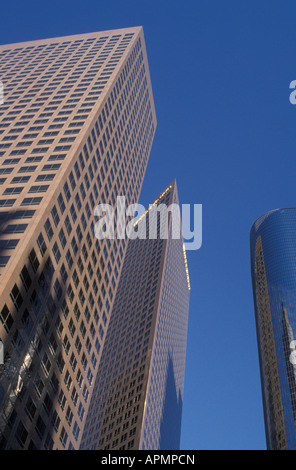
(138, 396)
(77, 125)
(273, 263)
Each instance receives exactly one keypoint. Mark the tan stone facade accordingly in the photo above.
(76, 129)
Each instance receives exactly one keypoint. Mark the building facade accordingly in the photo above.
(138, 396)
(76, 126)
(273, 265)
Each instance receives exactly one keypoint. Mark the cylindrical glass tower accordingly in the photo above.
(273, 266)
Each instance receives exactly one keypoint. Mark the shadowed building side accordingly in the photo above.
(171, 414)
(139, 386)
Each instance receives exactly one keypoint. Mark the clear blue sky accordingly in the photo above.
(226, 130)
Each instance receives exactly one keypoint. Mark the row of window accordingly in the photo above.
(48, 177)
(14, 58)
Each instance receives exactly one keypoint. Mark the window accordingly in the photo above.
(16, 297)
(48, 444)
(76, 430)
(46, 363)
(62, 399)
(33, 159)
(18, 341)
(15, 190)
(61, 203)
(77, 171)
(64, 274)
(68, 380)
(59, 326)
(67, 192)
(74, 246)
(57, 157)
(72, 327)
(5, 171)
(39, 189)
(79, 233)
(82, 329)
(8, 244)
(27, 321)
(80, 411)
(78, 344)
(84, 361)
(74, 396)
(25, 277)
(31, 201)
(81, 297)
(27, 169)
(20, 179)
(62, 238)
(73, 361)
(56, 421)
(41, 244)
(72, 180)
(60, 362)
(48, 229)
(69, 259)
(73, 213)
(85, 393)
(48, 177)
(68, 225)
(40, 427)
(3, 261)
(21, 434)
(89, 376)
(55, 216)
(51, 167)
(58, 289)
(66, 344)
(15, 228)
(53, 345)
(7, 202)
(47, 403)
(6, 318)
(39, 385)
(78, 202)
(56, 252)
(79, 378)
(34, 260)
(30, 408)
(69, 415)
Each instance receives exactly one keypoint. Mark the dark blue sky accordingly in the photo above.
(226, 130)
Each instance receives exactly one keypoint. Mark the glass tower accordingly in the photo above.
(273, 265)
(139, 387)
(76, 126)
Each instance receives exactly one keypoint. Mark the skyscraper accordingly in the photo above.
(138, 396)
(273, 264)
(77, 125)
